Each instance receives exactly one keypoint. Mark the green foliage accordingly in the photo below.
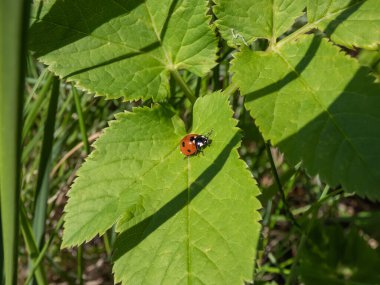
(351, 23)
(197, 217)
(336, 256)
(261, 19)
(194, 220)
(320, 107)
(125, 48)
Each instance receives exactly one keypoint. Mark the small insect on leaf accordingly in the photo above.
(192, 144)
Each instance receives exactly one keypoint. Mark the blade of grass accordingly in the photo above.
(36, 106)
(66, 106)
(38, 260)
(305, 236)
(13, 30)
(37, 83)
(31, 67)
(31, 246)
(82, 128)
(1, 254)
(82, 125)
(42, 188)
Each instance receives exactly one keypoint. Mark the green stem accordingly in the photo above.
(185, 88)
(304, 29)
(225, 54)
(288, 213)
(305, 236)
(215, 78)
(107, 245)
(80, 265)
(231, 89)
(82, 125)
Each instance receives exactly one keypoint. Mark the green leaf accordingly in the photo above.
(255, 19)
(182, 220)
(319, 106)
(338, 257)
(123, 48)
(351, 23)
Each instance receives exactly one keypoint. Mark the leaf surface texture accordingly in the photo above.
(181, 220)
(319, 106)
(124, 48)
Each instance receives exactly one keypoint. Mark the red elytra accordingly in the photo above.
(192, 144)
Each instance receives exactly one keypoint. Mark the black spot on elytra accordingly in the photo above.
(188, 150)
(192, 139)
(183, 144)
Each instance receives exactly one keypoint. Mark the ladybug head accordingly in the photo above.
(201, 142)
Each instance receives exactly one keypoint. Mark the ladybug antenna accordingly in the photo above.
(209, 133)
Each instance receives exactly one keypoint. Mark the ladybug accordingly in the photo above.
(193, 144)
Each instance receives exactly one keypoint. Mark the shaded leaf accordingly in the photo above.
(319, 106)
(349, 22)
(182, 220)
(255, 19)
(123, 48)
(370, 58)
(338, 257)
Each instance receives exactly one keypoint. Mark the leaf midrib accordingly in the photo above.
(140, 177)
(157, 34)
(188, 221)
(273, 40)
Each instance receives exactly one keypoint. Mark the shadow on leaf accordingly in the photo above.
(132, 237)
(341, 144)
(307, 58)
(146, 49)
(55, 30)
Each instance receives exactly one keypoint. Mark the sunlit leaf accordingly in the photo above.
(124, 48)
(182, 220)
(352, 23)
(244, 21)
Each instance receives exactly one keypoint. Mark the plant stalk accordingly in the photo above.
(82, 125)
(231, 89)
(288, 213)
(185, 88)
